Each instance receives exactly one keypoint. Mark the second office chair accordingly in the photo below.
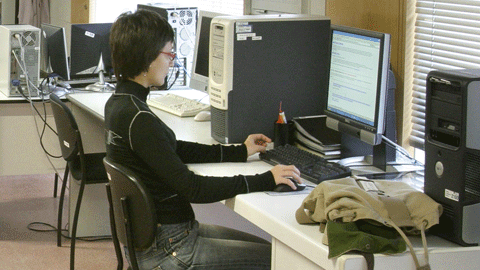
(83, 168)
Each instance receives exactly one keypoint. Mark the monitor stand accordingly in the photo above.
(384, 153)
(101, 85)
(355, 151)
(54, 86)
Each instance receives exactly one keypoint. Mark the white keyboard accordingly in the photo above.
(177, 105)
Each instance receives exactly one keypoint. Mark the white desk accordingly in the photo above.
(295, 246)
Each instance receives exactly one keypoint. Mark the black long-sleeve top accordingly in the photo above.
(138, 139)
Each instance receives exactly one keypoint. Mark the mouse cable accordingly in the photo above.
(206, 95)
(51, 228)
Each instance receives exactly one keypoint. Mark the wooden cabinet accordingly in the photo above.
(80, 11)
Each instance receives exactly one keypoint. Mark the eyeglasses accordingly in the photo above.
(172, 55)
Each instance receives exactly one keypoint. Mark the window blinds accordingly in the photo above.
(447, 36)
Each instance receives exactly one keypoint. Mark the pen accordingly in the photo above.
(282, 119)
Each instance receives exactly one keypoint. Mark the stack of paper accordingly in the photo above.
(311, 134)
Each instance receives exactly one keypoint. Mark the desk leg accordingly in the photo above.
(285, 258)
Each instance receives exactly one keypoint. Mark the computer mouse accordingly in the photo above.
(64, 85)
(202, 116)
(287, 188)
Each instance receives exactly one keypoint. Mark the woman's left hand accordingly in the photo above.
(256, 143)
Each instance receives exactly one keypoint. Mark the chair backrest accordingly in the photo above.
(125, 185)
(67, 128)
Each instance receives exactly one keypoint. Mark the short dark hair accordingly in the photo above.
(136, 40)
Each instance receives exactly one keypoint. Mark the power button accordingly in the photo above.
(439, 168)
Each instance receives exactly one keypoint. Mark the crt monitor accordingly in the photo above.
(358, 77)
(54, 51)
(90, 50)
(199, 75)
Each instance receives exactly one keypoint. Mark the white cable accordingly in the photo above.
(24, 67)
(203, 97)
(184, 27)
(188, 34)
(400, 149)
(27, 78)
(189, 39)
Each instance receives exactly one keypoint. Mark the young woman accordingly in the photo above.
(142, 52)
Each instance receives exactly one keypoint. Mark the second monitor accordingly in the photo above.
(199, 73)
(54, 51)
(90, 53)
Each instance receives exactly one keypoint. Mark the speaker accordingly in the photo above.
(184, 23)
(452, 152)
(19, 54)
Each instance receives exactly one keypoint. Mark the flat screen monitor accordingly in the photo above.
(199, 75)
(54, 51)
(90, 50)
(358, 80)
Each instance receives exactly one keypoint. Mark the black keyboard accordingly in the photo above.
(83, 82)
(312, 167)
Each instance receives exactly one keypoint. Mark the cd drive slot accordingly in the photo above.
(448, 125)
(445, 138)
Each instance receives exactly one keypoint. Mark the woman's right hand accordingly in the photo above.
(285, 174)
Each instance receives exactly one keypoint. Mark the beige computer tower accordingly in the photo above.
(259, 61)
(19, 58)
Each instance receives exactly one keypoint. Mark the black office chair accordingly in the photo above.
(132, 212)
(85, 168)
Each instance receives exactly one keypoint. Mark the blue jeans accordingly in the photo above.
(195, 246)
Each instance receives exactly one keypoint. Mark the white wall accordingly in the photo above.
(60, 15)
(314, 7)
(105, 11)
(8, 11)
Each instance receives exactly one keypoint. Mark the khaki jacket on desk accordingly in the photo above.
(383, 203)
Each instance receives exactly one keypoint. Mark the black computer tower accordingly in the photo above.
(452, 152)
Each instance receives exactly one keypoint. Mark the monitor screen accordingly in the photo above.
(357, 82)
(199, 76)
(54, 51)
(90, 49)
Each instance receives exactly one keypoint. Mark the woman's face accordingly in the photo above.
(159, 68)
